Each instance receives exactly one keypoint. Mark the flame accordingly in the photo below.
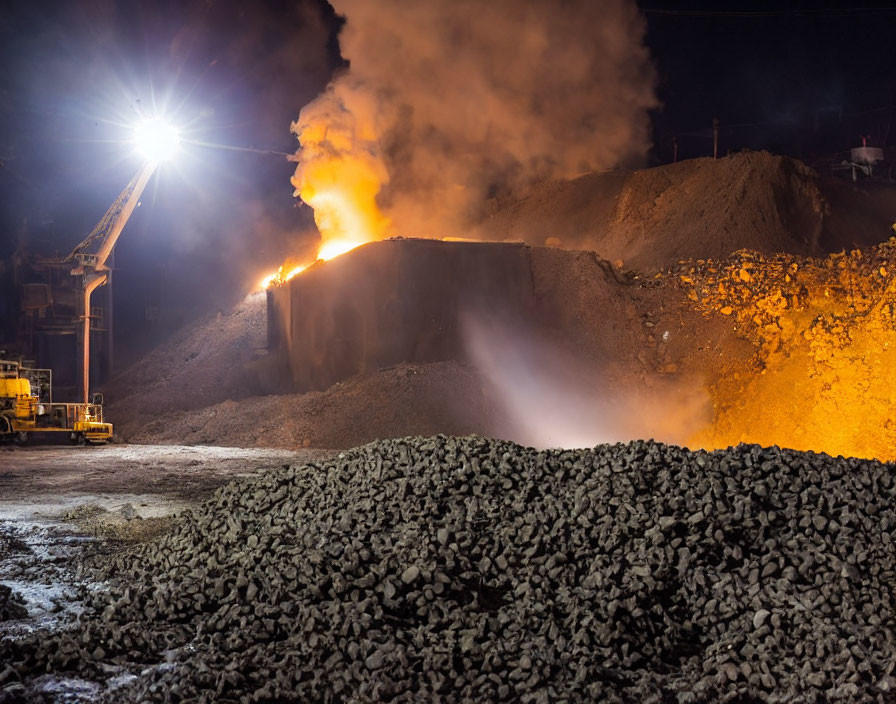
(294, 271)
(334, 248)
(340, 171)
(343, 197)
(270, 279)
(339, 174)
(279, 277)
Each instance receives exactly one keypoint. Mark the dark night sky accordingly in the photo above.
(808, 78)
(210, 223)
(803, 78)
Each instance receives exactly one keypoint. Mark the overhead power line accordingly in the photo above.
(831, 11)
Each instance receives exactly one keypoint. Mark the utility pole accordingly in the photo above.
(715, 138)
(110, 315)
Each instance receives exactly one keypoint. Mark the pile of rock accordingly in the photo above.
(465, 569)
(12, 606)
(823, 328)
(765, 292)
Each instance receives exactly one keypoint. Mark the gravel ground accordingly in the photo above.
(463, 569)
(44, 481)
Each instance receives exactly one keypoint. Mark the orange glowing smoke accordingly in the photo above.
(340, 172)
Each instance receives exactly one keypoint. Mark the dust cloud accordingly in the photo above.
(448, 105)
(551, 397)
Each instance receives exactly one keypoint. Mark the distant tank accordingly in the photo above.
(862, 160)
(867, 156)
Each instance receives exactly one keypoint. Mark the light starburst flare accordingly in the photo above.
(156, 140)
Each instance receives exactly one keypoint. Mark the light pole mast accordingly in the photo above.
(156, 141)
(92, 267)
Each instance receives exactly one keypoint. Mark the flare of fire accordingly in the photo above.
(282, 275)
(339, 173)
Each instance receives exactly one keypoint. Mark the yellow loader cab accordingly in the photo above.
(23, 413)
(16, 402)
(18, 389)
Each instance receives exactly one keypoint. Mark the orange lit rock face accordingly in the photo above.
(824, 372)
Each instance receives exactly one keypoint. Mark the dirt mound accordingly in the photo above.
(613, 344)
(709, 352)
(461, 569)
(443, 397)
(711, 207)
(201, 364)
(696, 209)
(751, 348)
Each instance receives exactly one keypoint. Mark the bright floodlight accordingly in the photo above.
(156, 140)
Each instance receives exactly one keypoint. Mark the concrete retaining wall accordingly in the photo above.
(391, 302)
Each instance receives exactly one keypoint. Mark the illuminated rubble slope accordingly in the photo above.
(823, 376)
(202, 363)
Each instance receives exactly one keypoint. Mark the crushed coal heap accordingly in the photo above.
(467, 569)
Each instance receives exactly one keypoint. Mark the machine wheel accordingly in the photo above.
(22, 437)
(6, 432)
(82, 440)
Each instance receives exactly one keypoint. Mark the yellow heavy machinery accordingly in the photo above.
(27, 408)
(26, 404)
(25, 411)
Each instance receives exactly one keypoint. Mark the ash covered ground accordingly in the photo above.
(448, 566)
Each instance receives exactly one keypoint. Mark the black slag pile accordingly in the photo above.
(463, 569)
(12, 606)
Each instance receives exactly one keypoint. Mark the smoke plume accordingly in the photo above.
(549, 396)
(449, 104)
